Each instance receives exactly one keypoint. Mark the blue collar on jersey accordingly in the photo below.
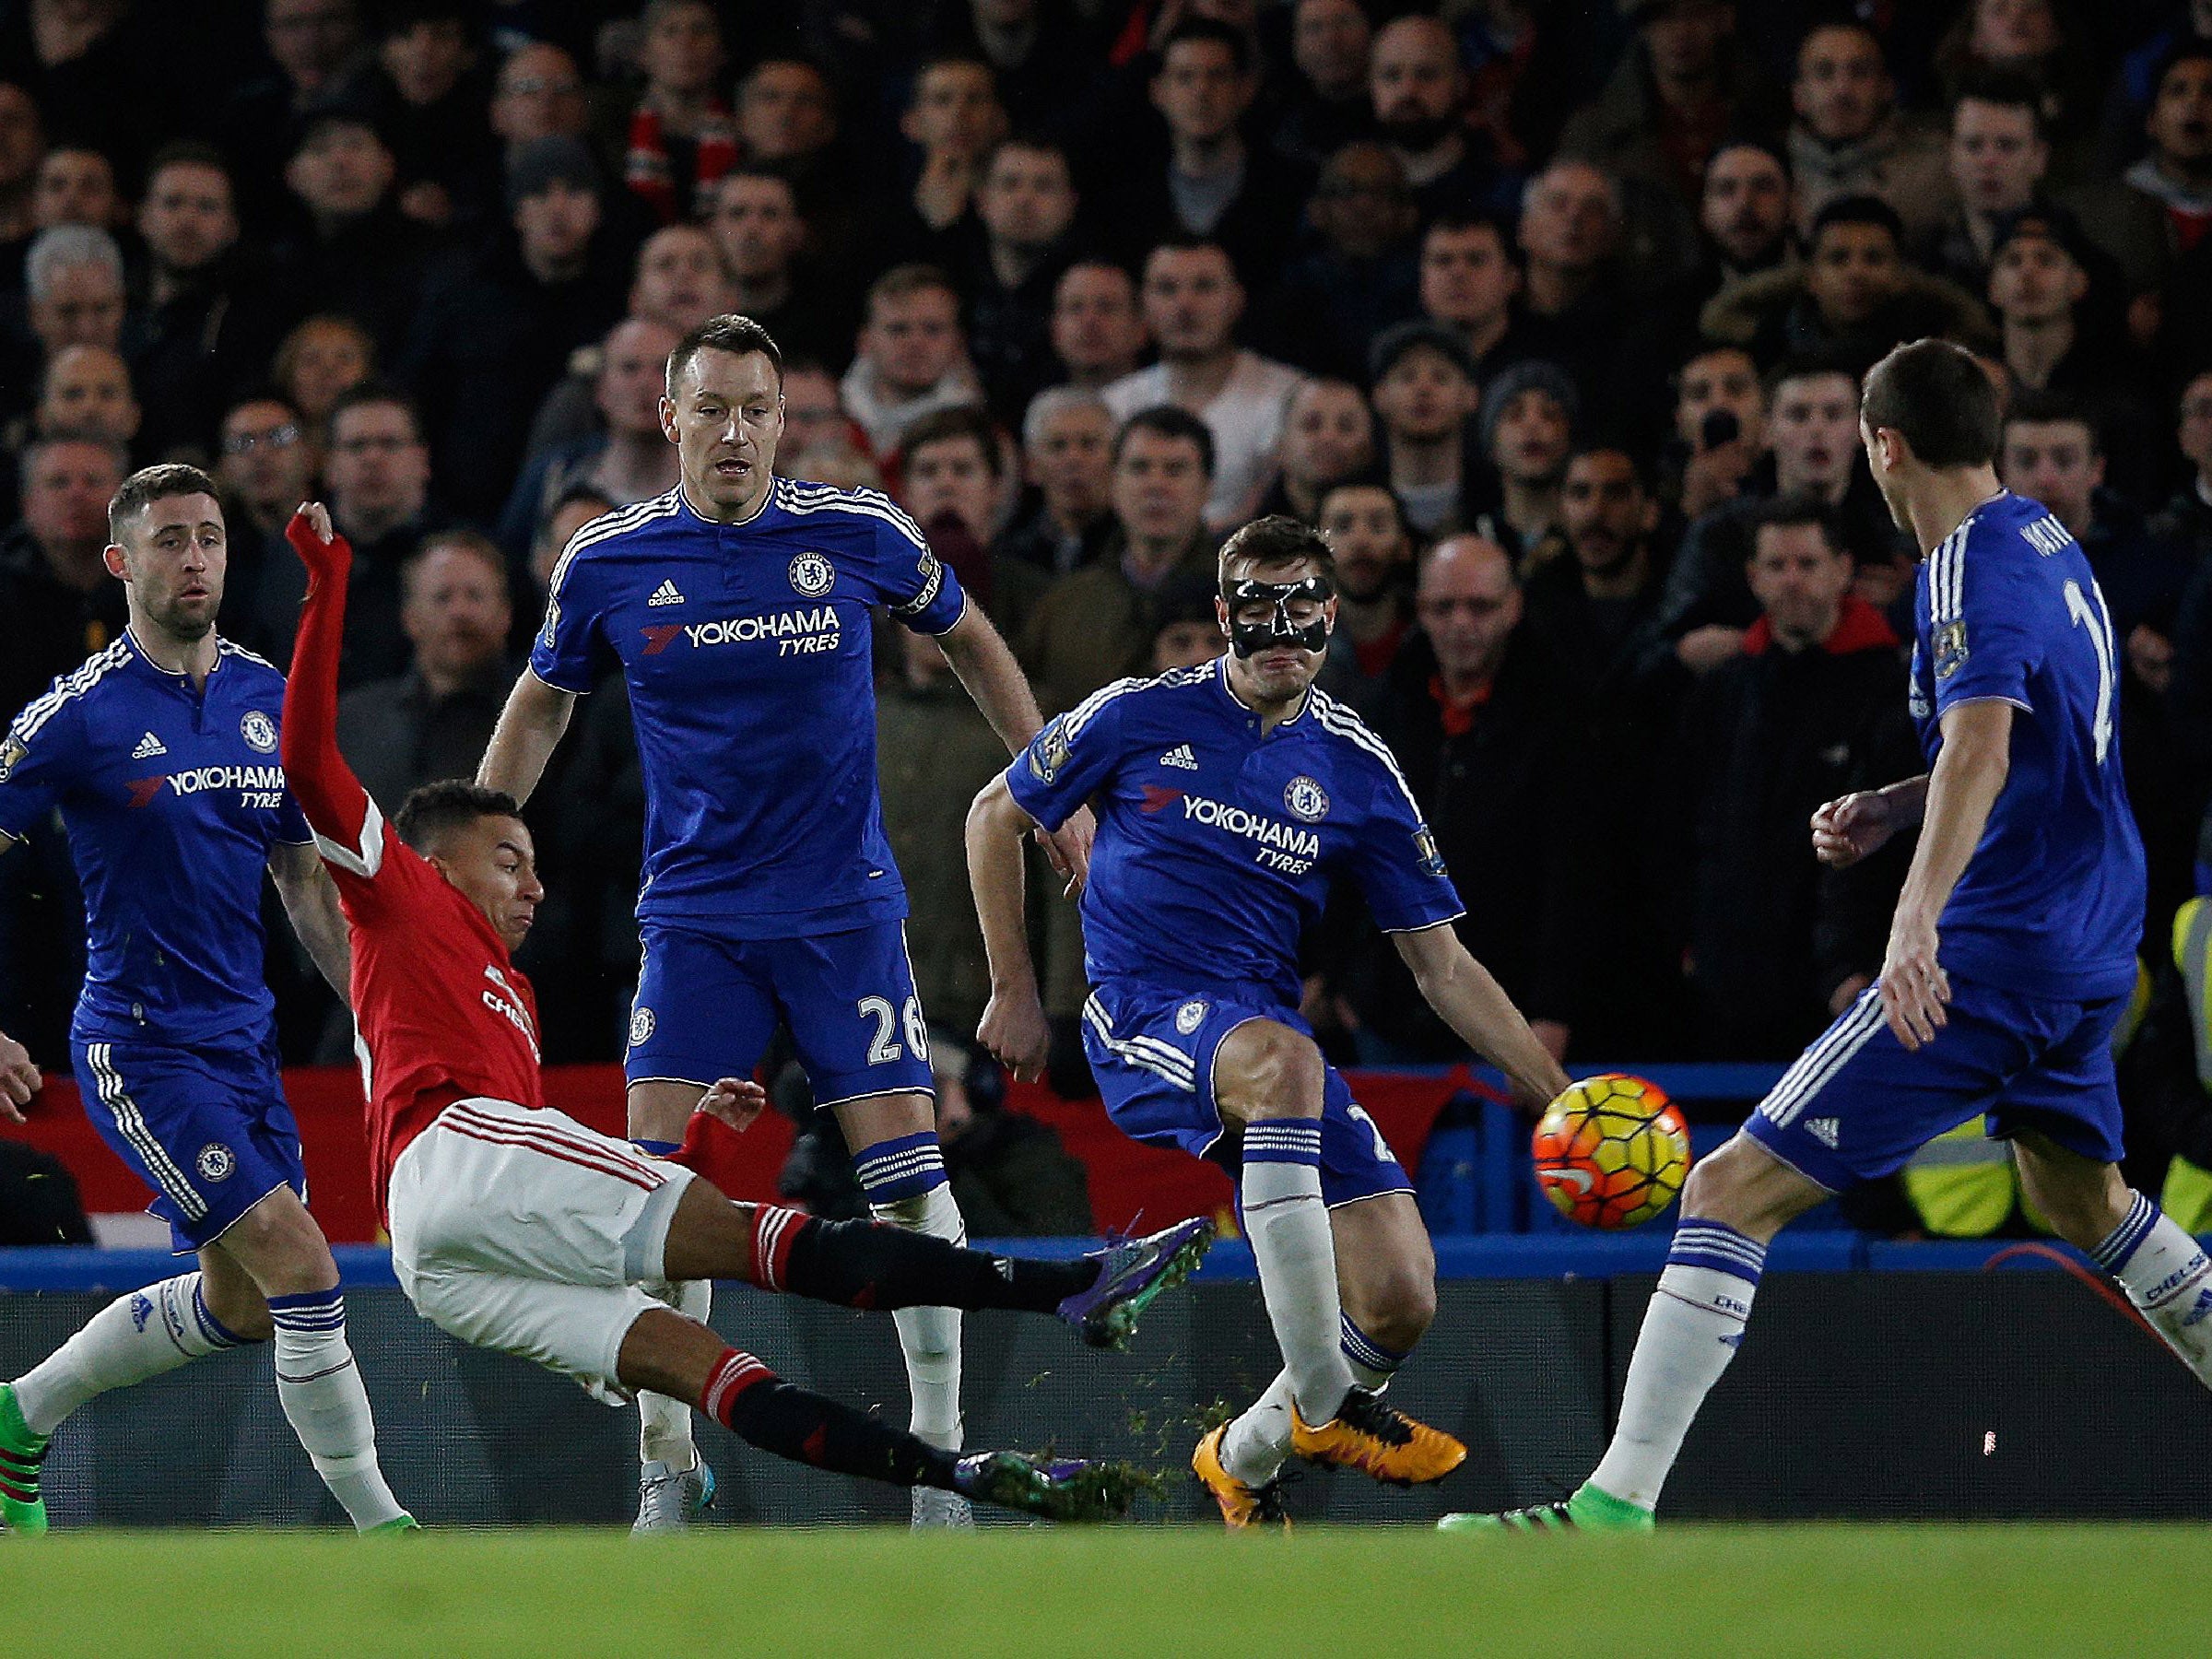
(130, 642)
(1238, 706)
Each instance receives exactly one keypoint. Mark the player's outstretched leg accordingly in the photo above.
(901, 1169)
(862, 1264)
(1271, 1078)
(665, 1352)
(277, 1248)
(2164, 1271)
(133, 1337)
(1734, 1204)
(1386, 1275)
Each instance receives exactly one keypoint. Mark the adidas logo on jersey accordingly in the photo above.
(666, 594)
(149, 746)
(1181, 758)
(1823, 1130)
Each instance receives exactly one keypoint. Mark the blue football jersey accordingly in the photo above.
(172, 799)
(2052, 902)
(1217, 845)
(746, 652)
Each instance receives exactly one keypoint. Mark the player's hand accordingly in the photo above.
(1068, 849)
(736, 1101)
(1854, 828)
(1914, 986)
(1014, 1029)
(20, 1078)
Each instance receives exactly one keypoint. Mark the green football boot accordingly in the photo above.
(21, 1508)
(1588, 1510)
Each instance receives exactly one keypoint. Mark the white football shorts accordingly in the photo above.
(516, 1227)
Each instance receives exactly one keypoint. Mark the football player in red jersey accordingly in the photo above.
(516, 1227)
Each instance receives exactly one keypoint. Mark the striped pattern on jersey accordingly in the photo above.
(68, 687)
(610, 525)
(130, 1123)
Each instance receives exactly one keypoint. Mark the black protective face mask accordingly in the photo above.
(1249, 639)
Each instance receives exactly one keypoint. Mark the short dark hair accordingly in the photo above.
(1368, 481)
(1035, 143)
(474, 543)
(187, 152)
(431, 811)
(1857, 209)
(944, 426)
(1790, 512)
(730, 333)
(914, 277)
(1611, 444)
(1460, 221)
(1169, 420)
(1935, 397)
(1274, 541)
(1208, 28)
(361, 393)
(2006, 88)
(151, 484)
(2031, 407)
(2187, 49)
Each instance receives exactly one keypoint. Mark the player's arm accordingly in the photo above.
(1013, 1026)
(336, 806)
(987, 669)
(1969, 776)
(530, 727)
(1473, 1004)
(311, 903)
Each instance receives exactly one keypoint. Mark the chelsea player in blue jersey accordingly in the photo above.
(1230, 797)
(2012, 953)
(160, 755)
(738, 607)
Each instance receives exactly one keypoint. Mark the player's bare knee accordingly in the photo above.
(1402, 1310)
(1265, 1069)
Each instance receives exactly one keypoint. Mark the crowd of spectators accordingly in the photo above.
(1552, 316)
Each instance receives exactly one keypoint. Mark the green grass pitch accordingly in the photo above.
(1133, 1593)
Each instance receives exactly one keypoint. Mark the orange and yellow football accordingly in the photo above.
(1612, 1151)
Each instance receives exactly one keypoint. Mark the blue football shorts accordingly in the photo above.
(1152, 1051)
(707, 1007)
(208, 1128)
(1858, 1103)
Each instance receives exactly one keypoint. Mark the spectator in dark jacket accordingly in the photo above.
(495, 335)
(1813, 709)
(435, 720)
(1485, 725)
(1011, 1175)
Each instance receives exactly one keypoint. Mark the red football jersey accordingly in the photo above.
(441, 1010)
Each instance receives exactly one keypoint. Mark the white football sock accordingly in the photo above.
(665, 1425)
(320, 1388)
(132, 1338)
(2166, 1275)
(1288, 1228)
(929, 1338)
(1256, 1443)
(1690, 1332)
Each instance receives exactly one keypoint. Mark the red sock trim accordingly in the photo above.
(775, 1231)
(735, 1373)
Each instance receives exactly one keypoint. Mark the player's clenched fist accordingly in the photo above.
(1854, 828)
(1013, 1028)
